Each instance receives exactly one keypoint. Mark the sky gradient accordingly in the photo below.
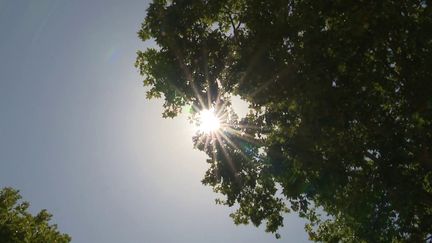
(78, 137)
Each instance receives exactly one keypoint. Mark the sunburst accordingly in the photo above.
(208, 121)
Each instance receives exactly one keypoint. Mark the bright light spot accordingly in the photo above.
(208, 121)
(240, 107)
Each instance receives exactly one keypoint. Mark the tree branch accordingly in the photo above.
(232, 21)
(371, 156)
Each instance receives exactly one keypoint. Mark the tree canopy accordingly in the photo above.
(340, 116)
(17, 225)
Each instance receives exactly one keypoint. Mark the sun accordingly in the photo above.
(208, 121)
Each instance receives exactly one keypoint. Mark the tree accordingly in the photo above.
(19, 226)
(340, 114)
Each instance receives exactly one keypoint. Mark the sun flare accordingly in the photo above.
(208, 121)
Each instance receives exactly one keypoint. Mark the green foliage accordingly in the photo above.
(340, 108)
(19, 226)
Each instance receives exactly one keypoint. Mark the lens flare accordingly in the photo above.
(208, 121)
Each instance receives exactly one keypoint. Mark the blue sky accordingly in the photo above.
(78, 137)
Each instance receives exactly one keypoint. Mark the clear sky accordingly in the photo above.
(78, 137)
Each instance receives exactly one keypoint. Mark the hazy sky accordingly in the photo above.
(78, 137)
